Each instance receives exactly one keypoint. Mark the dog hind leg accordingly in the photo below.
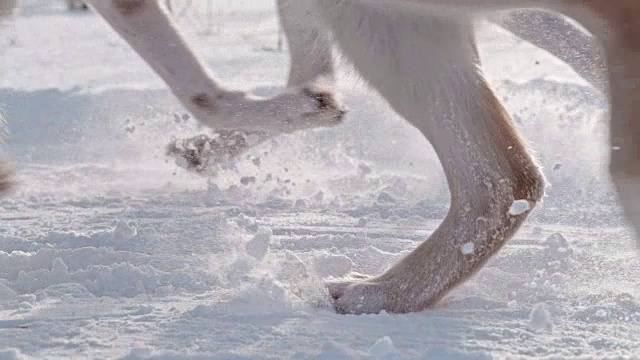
(426, 68)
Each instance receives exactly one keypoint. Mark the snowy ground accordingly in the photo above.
(109, 250)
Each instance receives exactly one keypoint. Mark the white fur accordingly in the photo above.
(421, 56)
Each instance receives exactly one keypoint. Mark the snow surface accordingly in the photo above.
(110, 250)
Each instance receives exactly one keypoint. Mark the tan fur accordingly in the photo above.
(620, 33)
(128, 7)
(7, 7)
(6, 177)
(622, 41)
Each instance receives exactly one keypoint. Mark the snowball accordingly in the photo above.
(467, 248)
(519, 207)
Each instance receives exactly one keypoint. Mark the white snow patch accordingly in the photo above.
(519, 207)
(467, 248)
(327, 264)
(383, 348)
(331, 351)
(265, 296)
(259, 245)
(12, 354)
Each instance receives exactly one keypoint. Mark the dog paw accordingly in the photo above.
(366, 295)
(330, 110)
(357, 297)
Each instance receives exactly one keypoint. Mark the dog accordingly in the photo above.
(421, 56)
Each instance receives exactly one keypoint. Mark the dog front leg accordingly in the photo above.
(150, 32)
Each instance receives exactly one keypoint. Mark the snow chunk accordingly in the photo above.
(558, 247)
(11, 354)
(385, 198)
(142, 310)
(123, 230)
(292, 269)
(259, 245)
(519, 207)
(557, 241)
(265, 296)
(468, 248)
(6, 293)
(327, 264)
(540, 319)
(164, 291)
(25, 306)
(58, 267)
(331, 350)
(601, 313)
(383, 348)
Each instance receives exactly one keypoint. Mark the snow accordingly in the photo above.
(519, 207)
(468, 248)
(110, 250)
(540, 319)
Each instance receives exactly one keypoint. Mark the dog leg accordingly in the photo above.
(620, 31)
(555, 34)
(311, 72)
(310, 48)
(6, 170)
(7, 7)
(426, 69)
(147, 28)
